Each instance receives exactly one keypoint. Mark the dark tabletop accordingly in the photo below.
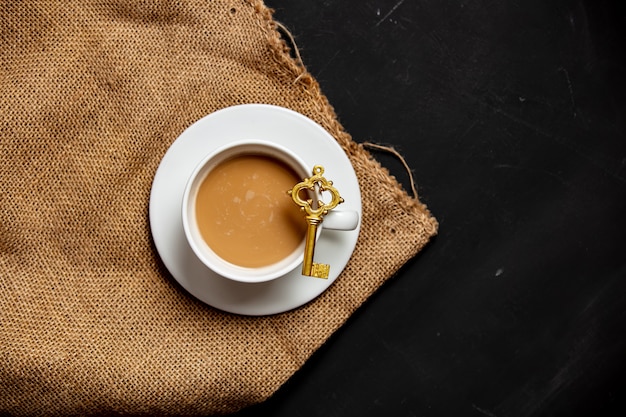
(511, 116)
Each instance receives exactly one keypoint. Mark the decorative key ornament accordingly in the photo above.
(315, 209)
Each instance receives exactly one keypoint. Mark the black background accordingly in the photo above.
(511, 116)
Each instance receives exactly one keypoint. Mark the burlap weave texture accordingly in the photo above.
(92, 94)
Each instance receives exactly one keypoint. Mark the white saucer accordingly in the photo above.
(249, 121)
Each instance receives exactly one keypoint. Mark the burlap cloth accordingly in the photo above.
(92, 94)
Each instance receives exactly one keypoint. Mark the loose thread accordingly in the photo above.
(371, 145)
(294, 47)
(397, 155)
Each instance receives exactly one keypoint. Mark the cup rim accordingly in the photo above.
(201, 249)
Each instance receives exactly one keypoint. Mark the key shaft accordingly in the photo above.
(309, 248)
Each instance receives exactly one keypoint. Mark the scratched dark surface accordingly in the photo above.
(511, 115)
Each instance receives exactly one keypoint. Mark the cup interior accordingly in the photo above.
(190, 225)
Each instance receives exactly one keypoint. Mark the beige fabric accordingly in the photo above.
(92, 93)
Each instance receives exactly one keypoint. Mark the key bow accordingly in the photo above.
(318, 184)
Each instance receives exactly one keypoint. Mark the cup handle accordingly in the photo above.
(341, 220)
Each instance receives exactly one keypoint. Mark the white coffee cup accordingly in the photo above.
(336, 219)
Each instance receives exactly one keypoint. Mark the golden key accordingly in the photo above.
(315, 210)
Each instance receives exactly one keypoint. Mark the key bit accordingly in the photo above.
(315, 209)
